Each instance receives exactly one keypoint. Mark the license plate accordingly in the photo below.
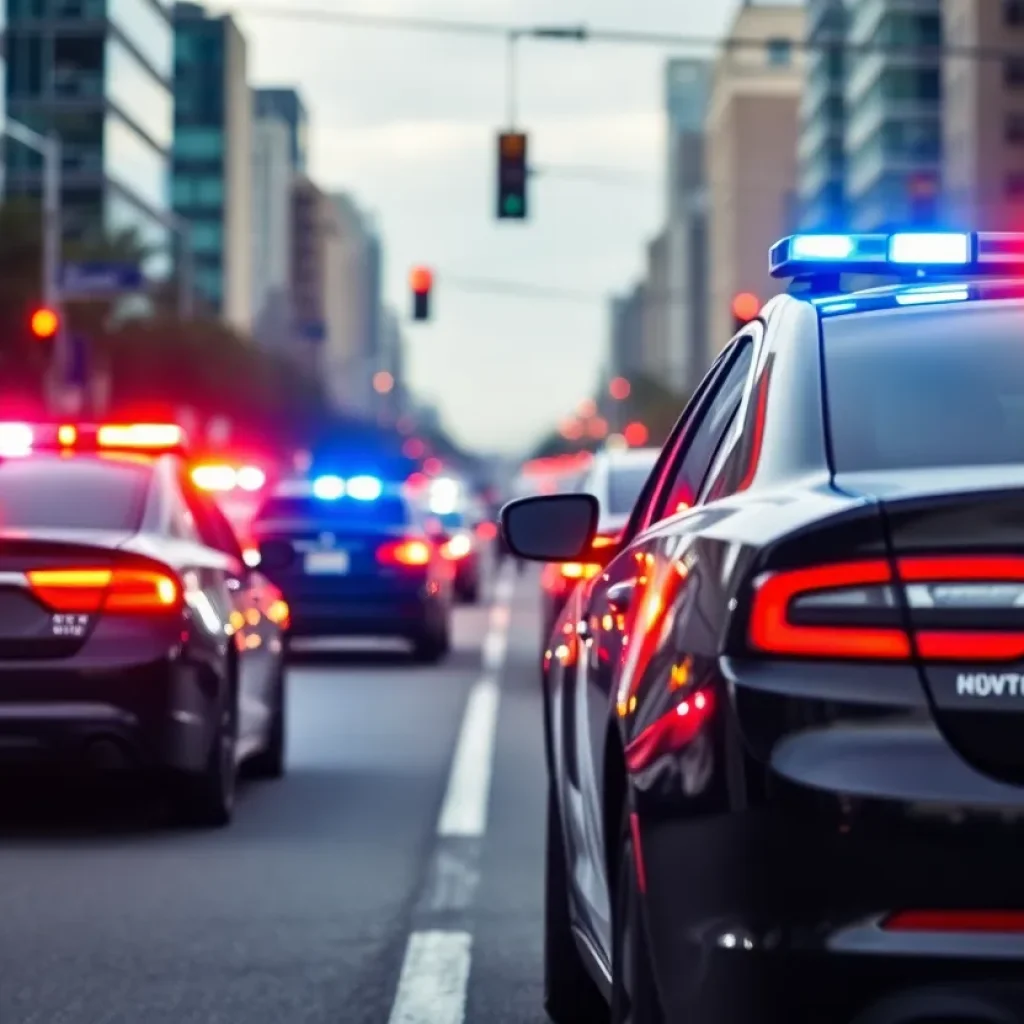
(327, 563)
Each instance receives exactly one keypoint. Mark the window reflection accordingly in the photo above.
(138, 93)
(148, 30)
(124, 215)
(133, 162)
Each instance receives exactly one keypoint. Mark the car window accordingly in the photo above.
(343, 513)
(624, 486)
(86, 494)
(917, 388)
(211, 524)
(707, 435)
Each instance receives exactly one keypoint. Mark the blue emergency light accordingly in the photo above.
(359, 488)
(907, 255)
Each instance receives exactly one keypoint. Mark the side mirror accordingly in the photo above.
(276, 555)
(551, 528)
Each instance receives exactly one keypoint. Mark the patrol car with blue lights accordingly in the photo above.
(133, 637)
(785, 721)
(355, 558)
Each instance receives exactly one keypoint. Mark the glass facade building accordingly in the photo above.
(98, 73)
(821, 158)
(893, 113)
(286, 105)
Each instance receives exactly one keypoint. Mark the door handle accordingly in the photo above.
(620, 596)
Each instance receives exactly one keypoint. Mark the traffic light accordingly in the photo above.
(44, 324)
(421, 280)
(513, 172)
(745, 308)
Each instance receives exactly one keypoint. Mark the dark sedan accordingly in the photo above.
(784, 725)
(132, 635)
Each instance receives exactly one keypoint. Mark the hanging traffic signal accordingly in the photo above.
(512, 176)
(44, 324)
(421, 280)
(745, 308)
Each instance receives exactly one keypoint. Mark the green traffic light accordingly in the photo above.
(513, 206)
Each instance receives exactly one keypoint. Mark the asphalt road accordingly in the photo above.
(394, 875)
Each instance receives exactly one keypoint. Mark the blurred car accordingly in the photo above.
(616, 479)
(354, 558)
(132, 634)
(238, 486)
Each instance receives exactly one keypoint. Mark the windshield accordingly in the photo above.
(384, 512)
(84, 494)
(624, 486)
(920, 388)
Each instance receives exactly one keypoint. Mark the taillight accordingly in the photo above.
(405, 552)
(957, 607)
(579, 570)
(120, 590)
(1005, 922)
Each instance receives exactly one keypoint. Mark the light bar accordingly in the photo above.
(21, 439)
(902, 254)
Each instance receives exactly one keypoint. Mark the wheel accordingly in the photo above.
(434, 643)
(570, 994)
(468, 591)
(269, 763)
(634, 995)
(208, 800)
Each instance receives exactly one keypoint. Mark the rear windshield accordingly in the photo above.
(919, 388)
(87, 494)
(624, 486)
(344, 512)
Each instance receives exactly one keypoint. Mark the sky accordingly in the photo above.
(406, 123)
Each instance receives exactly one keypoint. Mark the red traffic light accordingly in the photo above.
(421, 280)
(746, 306)
(636, 435)
(44, 323)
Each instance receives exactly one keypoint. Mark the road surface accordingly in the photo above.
(394, 876)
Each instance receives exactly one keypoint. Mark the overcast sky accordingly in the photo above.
(406, 123)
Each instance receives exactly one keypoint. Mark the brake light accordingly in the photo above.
(86, 591)
(1006, 922)
(405, 552)
(856, 609)
(579, 570)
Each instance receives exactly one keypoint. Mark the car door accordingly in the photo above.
(254, 632)
(622, 605)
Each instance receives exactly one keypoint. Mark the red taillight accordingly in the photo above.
(1004, 922)
(487, 531)
(85, 591)
(857, 610)
(671, 732)
(405, 552)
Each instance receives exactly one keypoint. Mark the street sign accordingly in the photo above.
(100, 279)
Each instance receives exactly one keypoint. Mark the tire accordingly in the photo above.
(269, 763)
(208, 800)
(469, 591)
(570, 994)
(634, 993)
(433, 644)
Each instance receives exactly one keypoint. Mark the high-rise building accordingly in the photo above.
(98, 74)
(687, 91)
(893, 113)
(983, 115)
(272, 178)
(213, 158)
(821, 157)
(286, 104)
(752, 129)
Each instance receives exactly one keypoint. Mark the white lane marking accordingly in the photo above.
(464, 812)
(435, 973)
(495, 645)
(505, 585)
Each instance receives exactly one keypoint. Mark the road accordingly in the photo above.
(394, 876)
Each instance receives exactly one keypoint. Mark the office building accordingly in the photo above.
(98, 74)
(893, 113)
(286, 105)
(750, 159)
(213, 158)
(687, 92)
(983, 115)
(821, 156)
(272, 178)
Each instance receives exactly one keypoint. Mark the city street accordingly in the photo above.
(386, 878)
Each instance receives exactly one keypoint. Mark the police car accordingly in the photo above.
(355, 558)
(132, 635)
(784, 722)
